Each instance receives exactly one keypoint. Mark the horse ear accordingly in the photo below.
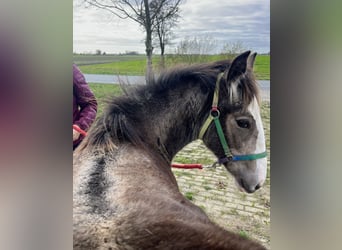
(250, 60)
(236, 69)
(238, 66)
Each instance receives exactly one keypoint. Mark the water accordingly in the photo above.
(114, 79)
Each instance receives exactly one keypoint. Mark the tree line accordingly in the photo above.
(158, 18)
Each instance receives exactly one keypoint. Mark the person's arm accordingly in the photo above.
(85, 100)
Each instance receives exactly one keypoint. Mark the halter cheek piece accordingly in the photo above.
(214, 116)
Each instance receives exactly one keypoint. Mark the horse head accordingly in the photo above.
(234, 130)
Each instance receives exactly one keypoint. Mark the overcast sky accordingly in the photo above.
(246, 21)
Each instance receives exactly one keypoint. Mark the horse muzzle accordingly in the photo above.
(248, 188)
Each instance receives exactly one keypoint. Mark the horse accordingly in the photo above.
(125, 195)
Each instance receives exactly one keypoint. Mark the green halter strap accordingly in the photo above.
(214, 116)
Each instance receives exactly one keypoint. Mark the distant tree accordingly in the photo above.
(131, 53)
(140, 11)
(164, 25)
(195, 49)
(98, 52)
(231, 49)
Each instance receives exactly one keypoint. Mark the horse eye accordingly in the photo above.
(243, 123)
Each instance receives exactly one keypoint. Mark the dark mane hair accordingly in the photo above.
(123, 118)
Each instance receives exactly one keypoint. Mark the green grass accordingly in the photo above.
(203, 208)
(262, 67)
(243, 234)
(187, 160)
(96, 59)
(136, 65)
(189, 195)
(103, 93)
(183, 173)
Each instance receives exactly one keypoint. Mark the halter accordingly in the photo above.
(214, 116)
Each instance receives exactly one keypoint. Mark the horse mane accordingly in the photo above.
(123, 118)
(249, 90)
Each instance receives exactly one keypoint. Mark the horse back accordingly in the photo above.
(128, 200)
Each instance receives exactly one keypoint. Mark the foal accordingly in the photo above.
(125, 195)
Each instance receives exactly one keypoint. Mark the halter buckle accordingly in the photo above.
(215, 113)
(214, 165)
(223, 160)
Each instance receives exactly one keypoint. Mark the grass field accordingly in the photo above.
(103, 93)
(95, 59)
(136, 64)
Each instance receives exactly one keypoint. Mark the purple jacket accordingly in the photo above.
(84, 103)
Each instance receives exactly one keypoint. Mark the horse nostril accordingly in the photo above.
(249, 188)
(245, 186)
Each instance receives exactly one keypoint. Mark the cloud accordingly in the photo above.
(247, 21)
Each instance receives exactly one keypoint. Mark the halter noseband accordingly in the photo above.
(214, 116)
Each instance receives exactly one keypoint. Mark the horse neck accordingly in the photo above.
(178, 121)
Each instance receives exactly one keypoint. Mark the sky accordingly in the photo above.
(226, 21)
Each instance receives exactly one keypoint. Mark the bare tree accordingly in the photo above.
(140, 11)
(231, 49)
(196, 49)
(164, 24)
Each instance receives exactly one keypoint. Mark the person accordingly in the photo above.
(84, 106)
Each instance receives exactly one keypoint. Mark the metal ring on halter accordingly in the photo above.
(214, 112)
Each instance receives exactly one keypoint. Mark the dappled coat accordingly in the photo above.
(84, 103)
